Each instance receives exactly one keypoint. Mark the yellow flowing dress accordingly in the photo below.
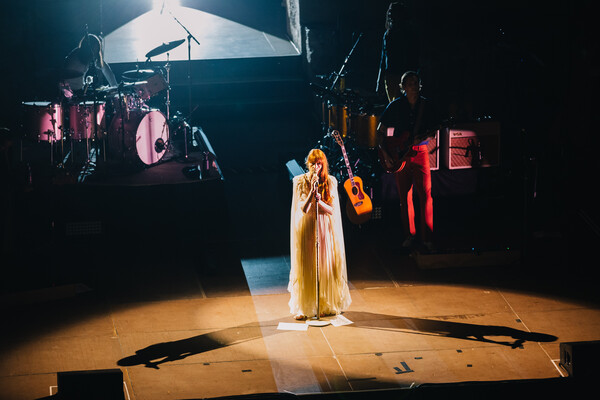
(334, 296)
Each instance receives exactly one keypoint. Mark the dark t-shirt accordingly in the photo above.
(401, 116)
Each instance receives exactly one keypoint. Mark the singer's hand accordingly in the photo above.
(314, 181)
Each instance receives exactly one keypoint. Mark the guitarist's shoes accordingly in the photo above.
(409, 242)
(428, 247)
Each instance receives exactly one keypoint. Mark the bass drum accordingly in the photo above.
(145, 139)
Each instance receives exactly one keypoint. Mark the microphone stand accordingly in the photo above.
(317, 321)
(189, 77)
(337, 75)
(330, 91)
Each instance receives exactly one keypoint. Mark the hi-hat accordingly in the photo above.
(138, 74)
(163, 48)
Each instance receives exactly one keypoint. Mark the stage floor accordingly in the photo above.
(204, 322)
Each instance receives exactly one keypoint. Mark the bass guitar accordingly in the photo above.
(398, 149)
(359, 205)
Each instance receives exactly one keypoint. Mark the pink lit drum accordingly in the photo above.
(127, 103)
(42, 121)
(81, 120)
(146, 136)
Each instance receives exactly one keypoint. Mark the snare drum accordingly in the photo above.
(145, 138)
(42, 121)
(126, 103)
(81, 120)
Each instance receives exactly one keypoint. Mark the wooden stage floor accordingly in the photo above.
(203, 321)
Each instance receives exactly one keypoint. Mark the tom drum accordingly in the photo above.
(42, 121)
(364, 127)
(81, 120)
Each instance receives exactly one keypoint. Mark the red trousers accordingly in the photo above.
(416, 175)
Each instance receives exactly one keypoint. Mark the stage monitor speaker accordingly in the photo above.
(580, 359)
(433, 148)
(294, 169)
(104, 384)
(471, 145)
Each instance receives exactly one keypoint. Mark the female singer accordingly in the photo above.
(317, 188)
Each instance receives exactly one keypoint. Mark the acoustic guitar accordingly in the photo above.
(359, 206)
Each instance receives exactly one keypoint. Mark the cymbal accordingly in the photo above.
(138, 74)
(163, 48)
(104, 89)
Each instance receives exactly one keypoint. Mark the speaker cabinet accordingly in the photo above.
(104, 384)
(471, 145)
(580, 359)
(434, 152)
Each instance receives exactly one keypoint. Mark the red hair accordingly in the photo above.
(317, 155)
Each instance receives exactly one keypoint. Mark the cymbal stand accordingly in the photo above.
(168, 101)
(341, 71)
(87, 128)
(122, 112)
(96, 123)
(52, 135)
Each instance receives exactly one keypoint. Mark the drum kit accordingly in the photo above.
(116, 121)
(351, 114)
(347, 111)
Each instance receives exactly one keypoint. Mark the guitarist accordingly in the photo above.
(407, 119)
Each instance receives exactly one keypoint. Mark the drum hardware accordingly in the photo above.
(87, 122)
(43, 122)
(120, 93)
(189, 51)
(154, 82)
(168, 101)
(165, 47)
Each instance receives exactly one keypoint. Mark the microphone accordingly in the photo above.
(88, 81)
(317, 171)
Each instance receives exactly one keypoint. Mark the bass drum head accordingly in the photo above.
(151, 137)
(146, 137)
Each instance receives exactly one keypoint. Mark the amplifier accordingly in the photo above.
(433, 148)
(580, 359)
(471, 145)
